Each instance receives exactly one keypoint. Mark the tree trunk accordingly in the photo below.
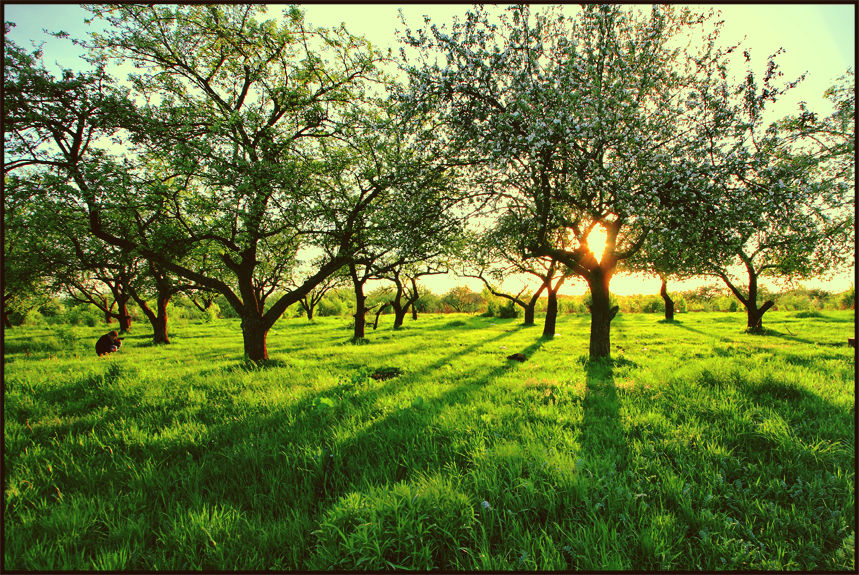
(415, 302)
(399, 317)
(309, 310)
(254, 334)
(601, 315)
(754, 316)
(108, 316)
(360, 310)
(551, 314)
(157, 320)
(529, 313)
(378, 313)
(397, 305)
(159, 326)
(669, 303)
(531, 306)
(7, 322)
(122, 314)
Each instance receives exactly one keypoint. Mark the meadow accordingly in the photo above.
(698, 447)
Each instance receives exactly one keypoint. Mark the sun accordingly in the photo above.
(596, 241)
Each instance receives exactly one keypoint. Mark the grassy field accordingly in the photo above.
(697, 447)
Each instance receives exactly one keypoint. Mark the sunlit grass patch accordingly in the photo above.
(697, 446)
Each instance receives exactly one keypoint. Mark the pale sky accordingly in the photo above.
(818, 40)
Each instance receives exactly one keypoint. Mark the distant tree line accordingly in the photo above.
(340, 303)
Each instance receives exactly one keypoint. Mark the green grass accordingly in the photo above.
(698, 447)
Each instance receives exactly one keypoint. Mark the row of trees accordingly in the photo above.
(266, 161)
(341, 303)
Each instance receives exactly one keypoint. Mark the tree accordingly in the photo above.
(405, 277)
(313, 297)
(462, 299)
(785, 201)
(27, 252)
(574, 122)
(235, 110)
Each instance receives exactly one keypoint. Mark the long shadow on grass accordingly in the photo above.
(403, 440)
(686, 327)
(314, 420)
(603, 442)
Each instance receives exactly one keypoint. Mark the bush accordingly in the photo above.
(52, 309)
(330, 307)
(84, 315)
(652, 304)
(33, 317)
(847, 300)
(212, 313)
(571, 305)
(508, 310)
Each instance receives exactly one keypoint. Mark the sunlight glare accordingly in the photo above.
(596, 241)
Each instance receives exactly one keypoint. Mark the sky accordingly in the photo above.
(818, 40)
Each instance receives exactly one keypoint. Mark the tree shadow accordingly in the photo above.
(686, 327)
(604, 449)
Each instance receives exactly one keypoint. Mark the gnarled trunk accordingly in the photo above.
(552, 304)
(158, 319)
(754, 315)
(531, 306)
(122, 313)
(669, 303)
(601, 315)
(254, 333)
(399, 317)
(159, 326)
(360, 310)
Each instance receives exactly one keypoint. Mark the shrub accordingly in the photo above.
(84, 315)
(212, 313)
(33, 317)
(508, 310)
(330, 307)
(847, 299)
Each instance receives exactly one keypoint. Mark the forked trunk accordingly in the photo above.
(755, 317)
(669, 303)
(254, 334)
